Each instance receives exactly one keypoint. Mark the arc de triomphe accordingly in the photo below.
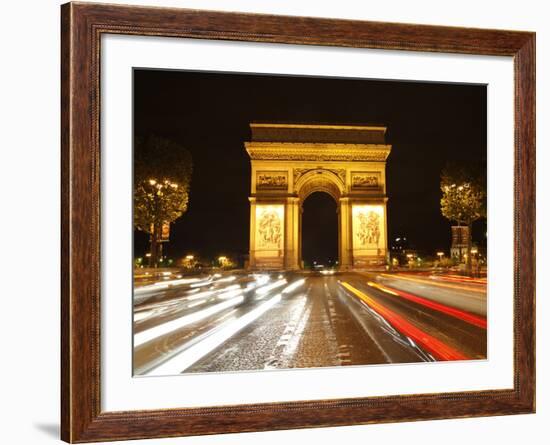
(291, 161)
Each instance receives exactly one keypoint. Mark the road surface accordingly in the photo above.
(243, 321)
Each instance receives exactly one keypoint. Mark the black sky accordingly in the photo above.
(428, 124)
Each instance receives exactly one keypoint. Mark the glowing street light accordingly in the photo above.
(223, 261)
(440, 255)
(410, 260)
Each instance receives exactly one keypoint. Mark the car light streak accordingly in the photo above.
(206, 293)
(261, 279)
(225, 280)
(453, 312)
(230, 294)
(142, 315)
(165, 328)
(382, 288)
(437, 348)
(459, 278)
(228, 288)
(202, 282)
(436, 283)
(293, 286)
(176, 282)
(265, 289)
(196, 303)
(188, 357)
(151, 287)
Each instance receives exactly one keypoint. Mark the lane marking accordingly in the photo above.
(468, 317)
(290, 346)
(437, 348)
(280, 351)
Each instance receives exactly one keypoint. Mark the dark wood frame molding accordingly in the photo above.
(82, 25)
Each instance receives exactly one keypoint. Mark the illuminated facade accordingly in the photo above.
(291, 161)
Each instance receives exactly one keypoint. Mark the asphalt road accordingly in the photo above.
(244, 321)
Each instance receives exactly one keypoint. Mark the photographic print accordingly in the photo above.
(285, 222)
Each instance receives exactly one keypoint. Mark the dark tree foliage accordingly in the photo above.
(464, 197)
(162, 178)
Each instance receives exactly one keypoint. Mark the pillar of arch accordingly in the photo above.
(291, 161)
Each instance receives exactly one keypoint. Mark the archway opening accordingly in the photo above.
(319, 230)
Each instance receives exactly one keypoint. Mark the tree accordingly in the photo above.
(162, 178)
(464, 198)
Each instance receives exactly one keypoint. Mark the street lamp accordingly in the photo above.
(222, 260)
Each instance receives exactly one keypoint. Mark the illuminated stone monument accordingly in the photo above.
(291, 161)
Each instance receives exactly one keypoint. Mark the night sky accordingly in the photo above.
(209, 113)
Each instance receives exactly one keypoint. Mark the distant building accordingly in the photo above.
(459, 245)
(399, 244)
(399, 248)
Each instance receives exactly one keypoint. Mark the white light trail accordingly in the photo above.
(164, 285)
(206, 293)
(264, 290)
(293, 286)
(176, 282)
(261, 279)
(230, 294)
(223, 280)
(149, 288)
(185, 359)
(197, 303)
(165, 328)
(143, 314)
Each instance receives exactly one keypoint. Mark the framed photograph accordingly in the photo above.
(275, 222)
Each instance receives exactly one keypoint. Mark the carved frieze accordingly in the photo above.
(299, 172)
(272, 180)
(365, 180)
(317, 152)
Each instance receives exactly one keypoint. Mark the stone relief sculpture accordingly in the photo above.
(364, 181)
(270, 229)
(271, 181)
(369, 228)
(299, 172)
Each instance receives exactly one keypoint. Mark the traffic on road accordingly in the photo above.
(252, 321)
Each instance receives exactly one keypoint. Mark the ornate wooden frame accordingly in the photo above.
(81, 27)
